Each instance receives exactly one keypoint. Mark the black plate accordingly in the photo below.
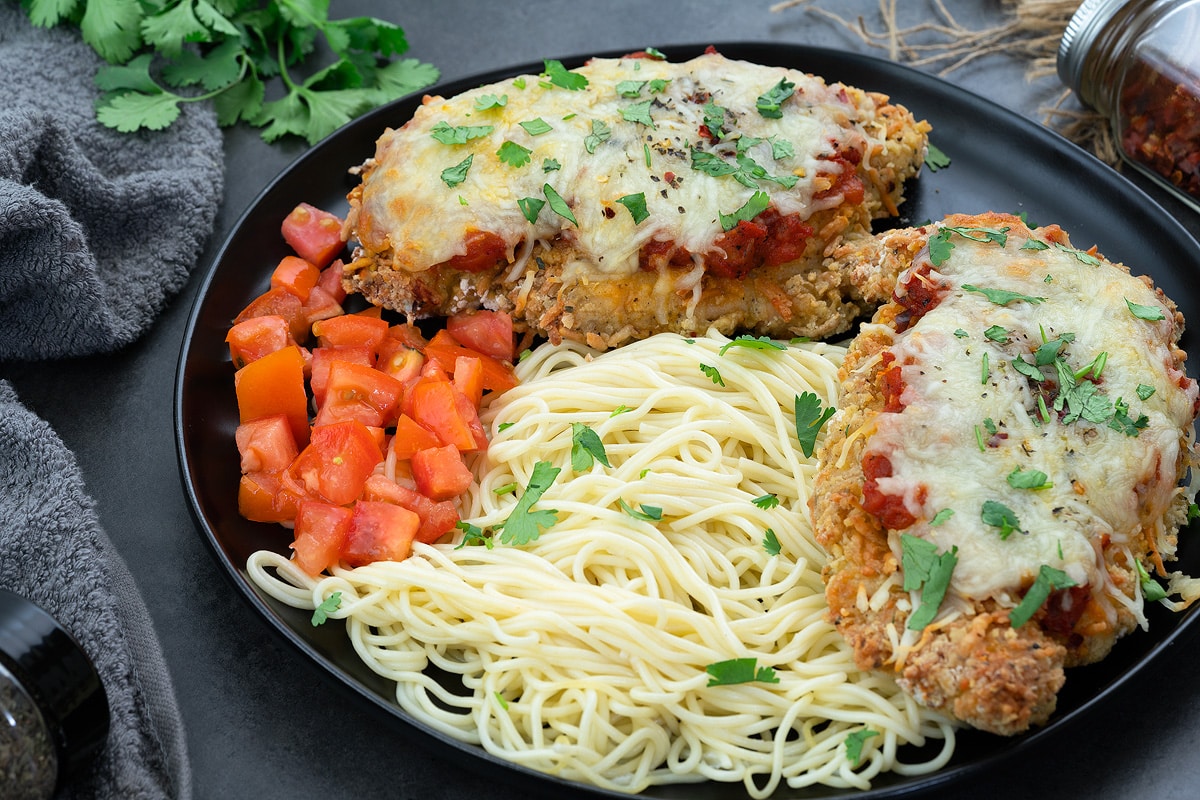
(1001, 162)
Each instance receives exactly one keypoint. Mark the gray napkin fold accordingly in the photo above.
(98, 231)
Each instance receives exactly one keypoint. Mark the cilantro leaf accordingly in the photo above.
(453, 176)
(536, 126)
(739, 670)
(560, 76)
(1152, 590)
(767, 501)
(758, 203)
(636, 203)
(714, 120)
(854, 744)
(1035, 244)
(1144, 392)
(752, 342)
(940, 245)
(647, 513)
(513, 154)
(531, 207)
(941, 516)
(771, 543)
(328, 606)
(446, 133)
(558, 205)
(935, 159)
(781, 148)
(1048, 579)
(997, 333)
(1028, 479)
(713, 374)
(1082, 257)
(639, 113)
(586, 447)
(550, 165)
(487, 102)
(1000, 516)
(523, 524)
(630, 88)
(770, 102)
(132, 111)
(809, 419)
(600, 133)
(1149, 313)
(925, 569)
(1002, 297)
(473, 534)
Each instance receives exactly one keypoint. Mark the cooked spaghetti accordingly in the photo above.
(594, 651)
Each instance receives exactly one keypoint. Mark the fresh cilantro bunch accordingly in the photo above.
(232, 52)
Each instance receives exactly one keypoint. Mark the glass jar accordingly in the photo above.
(1138, 63)
(53, 709)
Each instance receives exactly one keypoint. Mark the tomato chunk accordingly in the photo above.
(253, 338)
(351, 330)
(379, 532)
(315, 234)
(437, 517)
(322, 530)
(468, 378)
(488, 332)
(411, 437)
(295, 275)
(257, 498)
(498, 375)
(322, 360)
(357, 391)
(280, 302)
(338, 461)
(434, 404)
(440, 472)
(272, 385)
(266, 445)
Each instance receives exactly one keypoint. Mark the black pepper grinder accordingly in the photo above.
(1138, 63)
(53, 708)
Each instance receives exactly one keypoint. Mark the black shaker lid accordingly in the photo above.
(62, 680)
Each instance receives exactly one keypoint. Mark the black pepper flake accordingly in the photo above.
(609, 213)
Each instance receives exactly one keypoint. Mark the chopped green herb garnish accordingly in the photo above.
(771, 101)
(630, 88)
(621, 409)
(600, 133)
(523, 524)
(941, 516)
(928, 570)
(536, 126)
(714, 120)
(960, 333)
(985, 373)
(558, 205)
(1082, 257)
(1028, 370)
(1002, 297)
(646, 514)
(636, 203)
(1144, 392)
(646, 152)
(519, 82)
(940, 245)
(739, 670)
(586, 447)
(809, 419)
(1150, 313)
(531, 207)
(758, 203)
(513, 154)
(753, 343)
(473, 534)
(453, 176)
(997, 333)
(766, 501)
(1048, 578)
(655, 53)
(503, 426)
(1035, 244)
(550, 165)
(328, 606)
(1000, 516)
(500, 701)
(1152, 590)
(771, 542)
(639, 113)
(713, 374)
(935, 159)
(449, 134)
(1028, 479)
(489, 101)
(781, 148)
(560, 76)
(659, 85)
(507, 488)
(854, 744)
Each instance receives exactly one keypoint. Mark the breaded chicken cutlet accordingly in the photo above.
(1006, 473)
(634, 196)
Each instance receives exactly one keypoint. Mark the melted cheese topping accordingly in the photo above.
(423, 220)
(1105, 483)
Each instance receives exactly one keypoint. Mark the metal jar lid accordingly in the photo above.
(60, 677)
(1085, 25)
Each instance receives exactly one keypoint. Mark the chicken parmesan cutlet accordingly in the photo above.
(634, 196)
(1005, 476)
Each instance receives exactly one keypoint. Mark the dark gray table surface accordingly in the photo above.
(263, 722)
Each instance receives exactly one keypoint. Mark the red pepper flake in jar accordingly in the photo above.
(1138, 62)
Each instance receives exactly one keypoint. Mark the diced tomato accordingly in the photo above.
(358, 330)
(498, 375)
(396, 359)
(338, 461)
(273, 385)
(440, 472)
(437, 517)
(379, 532)
(296, 275)
(434, 404)
(266, 445)
(321, 305)
(410, 335)
(411, 437)
(256, 498)
(356, 391)
(484, 250)
(331, 280)
(315, 234)
(323, 357)
(889, 509)
(279, 302)
(291, 493)
(468, 378)
(488, 332)
(322, 530)
(253, 338)
(735, 252)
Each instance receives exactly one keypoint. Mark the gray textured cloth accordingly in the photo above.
(98, 231)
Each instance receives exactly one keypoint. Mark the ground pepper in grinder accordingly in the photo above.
(1138, 62)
